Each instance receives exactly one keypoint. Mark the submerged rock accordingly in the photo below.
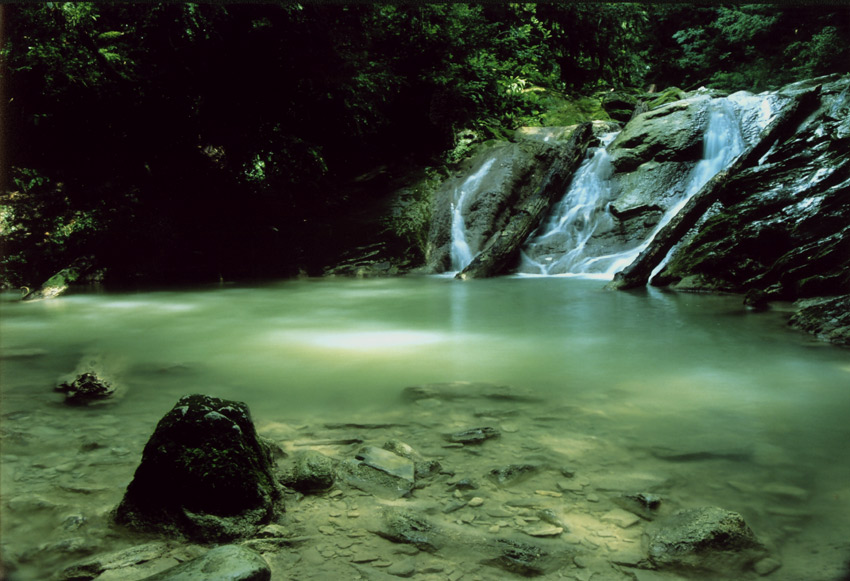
(704, 539)
(311, 472)
(92, 567)
(473, 435)
(378, 472)
(224, 563)
(512, 473)
(466, 390)
(402, 525)
(523, 558)
(423, 468)
(204, 474)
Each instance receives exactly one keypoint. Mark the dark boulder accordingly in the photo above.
(204, 474)
(86, 388)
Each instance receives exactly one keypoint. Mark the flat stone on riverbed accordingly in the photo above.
(387, 461)
(224, 563)
(379, 472)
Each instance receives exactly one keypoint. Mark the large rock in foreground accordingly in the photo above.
(204, 474)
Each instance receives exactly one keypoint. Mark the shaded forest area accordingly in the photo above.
(199, 142)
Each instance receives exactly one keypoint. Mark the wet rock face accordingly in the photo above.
(670, 133)
(704, 539)
(785, 231)
(204, 474)
(828, 318)
(516, 171)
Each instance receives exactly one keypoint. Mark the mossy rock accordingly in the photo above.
(204, 474)
(666, 96)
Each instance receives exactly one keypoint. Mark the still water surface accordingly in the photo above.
(661, 369)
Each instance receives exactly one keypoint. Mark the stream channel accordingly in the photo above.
(690, 396)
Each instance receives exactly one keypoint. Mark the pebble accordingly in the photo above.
(327, 530)
(548, 493)
(476, 501)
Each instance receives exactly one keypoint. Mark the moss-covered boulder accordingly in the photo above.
(204, 474)
(706, 539)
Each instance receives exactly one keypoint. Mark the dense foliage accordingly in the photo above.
(200, 141)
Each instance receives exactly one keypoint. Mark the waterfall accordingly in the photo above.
(461, 253)
(562, 248)
(580, 213)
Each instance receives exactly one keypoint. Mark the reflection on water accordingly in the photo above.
(659, 370)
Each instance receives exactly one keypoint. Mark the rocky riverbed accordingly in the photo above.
(462, 481)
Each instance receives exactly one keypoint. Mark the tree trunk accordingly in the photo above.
(638, 272)
(59, 282)
(503, 247)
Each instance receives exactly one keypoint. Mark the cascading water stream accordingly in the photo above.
(561, 249)
(575, 218)
(461, 253)
(722, 144)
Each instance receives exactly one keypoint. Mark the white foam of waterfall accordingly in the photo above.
(461, 253)
(583, 211)
(722, 143)
(575, 218)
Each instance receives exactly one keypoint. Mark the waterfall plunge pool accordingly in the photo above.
(714, 404)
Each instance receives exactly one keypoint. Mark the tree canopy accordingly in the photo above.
(207, 140)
